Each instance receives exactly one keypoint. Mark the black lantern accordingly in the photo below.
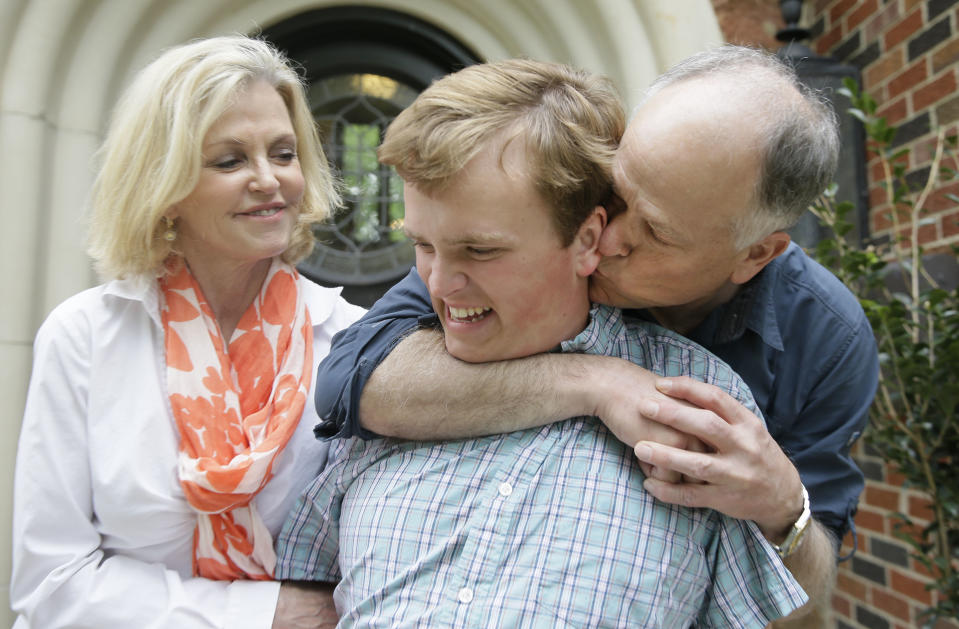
(826, 75)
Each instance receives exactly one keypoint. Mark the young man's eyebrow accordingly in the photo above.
(482, 238)
(472, 238)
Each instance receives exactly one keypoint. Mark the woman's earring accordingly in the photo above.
(170, 234)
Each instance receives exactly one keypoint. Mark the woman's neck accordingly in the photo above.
(229, 290)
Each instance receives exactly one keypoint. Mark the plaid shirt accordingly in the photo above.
(546, 527)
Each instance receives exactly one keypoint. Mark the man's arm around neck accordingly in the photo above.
(419, 391)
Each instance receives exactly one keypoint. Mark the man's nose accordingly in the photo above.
(445, 278)
(614, 239)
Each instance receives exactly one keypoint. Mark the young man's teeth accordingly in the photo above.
(464, 313)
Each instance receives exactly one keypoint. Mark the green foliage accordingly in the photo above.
(914, 416)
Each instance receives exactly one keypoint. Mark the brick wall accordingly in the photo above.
(908, 54)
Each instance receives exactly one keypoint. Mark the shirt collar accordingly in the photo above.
(319, 300)
(141, 288)
(604, 328)
(753, 307)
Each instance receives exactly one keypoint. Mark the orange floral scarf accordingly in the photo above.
(235, 411)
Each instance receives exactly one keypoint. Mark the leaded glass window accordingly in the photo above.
(364, 243)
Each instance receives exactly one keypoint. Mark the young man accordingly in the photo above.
(505, 166)
(726, 151)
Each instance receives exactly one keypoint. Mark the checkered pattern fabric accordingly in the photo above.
(547, 527)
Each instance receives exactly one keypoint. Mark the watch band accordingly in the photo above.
(798, 529)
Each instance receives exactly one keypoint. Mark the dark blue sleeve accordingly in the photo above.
(834, 417)
(356, 351)
(810, 358)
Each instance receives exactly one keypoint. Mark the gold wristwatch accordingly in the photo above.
(798, 529)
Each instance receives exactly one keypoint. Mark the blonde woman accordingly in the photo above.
(168, 425)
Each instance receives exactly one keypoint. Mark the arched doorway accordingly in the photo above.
(363, 66)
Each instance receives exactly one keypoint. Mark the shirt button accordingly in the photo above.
(465, 595)
(505, 489)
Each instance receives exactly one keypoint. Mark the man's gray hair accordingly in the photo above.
(800, 132)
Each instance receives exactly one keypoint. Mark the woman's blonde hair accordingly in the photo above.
(152, 155)
(571, 122)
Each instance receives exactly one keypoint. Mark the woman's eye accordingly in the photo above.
(285, 155)
(226, 163)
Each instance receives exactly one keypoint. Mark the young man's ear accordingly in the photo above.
(758, 255)
(586, 243)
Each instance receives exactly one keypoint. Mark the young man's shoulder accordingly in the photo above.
(668, 353)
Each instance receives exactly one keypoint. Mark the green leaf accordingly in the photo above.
(858, 114)
(900, 153)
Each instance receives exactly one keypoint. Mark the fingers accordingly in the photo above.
(685, 488)
(703, 467)
(660, 473)
(704, 396)
(666, 435)
(704, 425)
(695, 445)
(685, 494)
(625, 420)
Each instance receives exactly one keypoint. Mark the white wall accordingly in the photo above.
(63, 63)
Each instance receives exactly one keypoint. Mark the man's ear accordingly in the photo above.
(758, 255)
(586, 242)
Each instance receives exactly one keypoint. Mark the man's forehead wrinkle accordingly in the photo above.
(639, 170)
(624, 182)
(636, 166)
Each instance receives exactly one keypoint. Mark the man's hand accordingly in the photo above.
(305, 605)
(744, 473)
(416, 394)
(620, 389)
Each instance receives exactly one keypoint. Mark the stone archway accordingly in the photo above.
(63, 63)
